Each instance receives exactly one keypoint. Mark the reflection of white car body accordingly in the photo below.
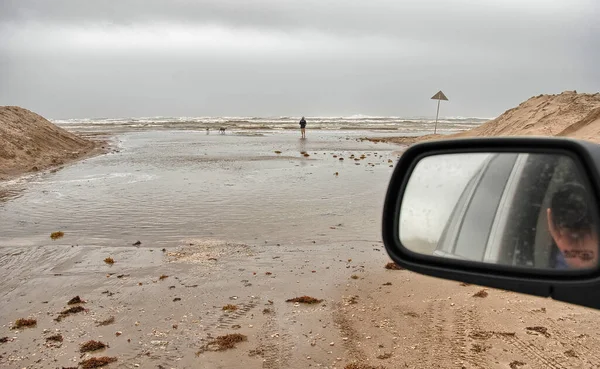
(500, 216)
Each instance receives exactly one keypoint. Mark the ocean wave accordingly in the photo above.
(356, 122)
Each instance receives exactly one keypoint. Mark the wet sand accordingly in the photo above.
(229, 222)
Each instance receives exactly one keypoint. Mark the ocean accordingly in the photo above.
(401, 125)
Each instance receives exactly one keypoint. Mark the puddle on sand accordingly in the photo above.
(164, 187)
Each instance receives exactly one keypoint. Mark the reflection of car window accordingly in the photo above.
(446, 241)
(479, 217)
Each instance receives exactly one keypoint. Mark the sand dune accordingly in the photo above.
(29, 142)
(568, 114)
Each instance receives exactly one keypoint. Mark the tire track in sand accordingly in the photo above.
(347, 330)
(275, 346)
(536, 357)
(466, 320)
(226, 320)
(435, 341)
(584, 347)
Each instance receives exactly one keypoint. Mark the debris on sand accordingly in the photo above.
(463, 284)
(222, 343)
(384, 356)
(362, 366)
(354, 276)
(163, 277)
(411, 314)
(515, 364)
(540, 310)
(109, 260)
(387, 284)
(106, 322)
(267, 311)
(484, 335)
(55, 338)
(57, 235)
(230, 307)
(393, 266)
(477, 348)
(24, 323)
(4, 339)
(75, 300)
(539, 329)
(97, 362)
(304, 300)
(65, 313)
(341, 159)
(352, 300)
(571, 353)
(268, 273)
(177, 299)
(137, 243)
(482, 293)
(92, 346)
(277, 152)
(306, 155)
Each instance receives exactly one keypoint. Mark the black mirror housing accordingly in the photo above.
(577, 287)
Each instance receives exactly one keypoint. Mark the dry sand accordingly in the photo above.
(568, 114)
(30, 143)
(168, 308)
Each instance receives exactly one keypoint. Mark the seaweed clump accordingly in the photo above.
(57, 235)
(92, 346)
(105, 322)
(393, 266)
(70, 311)
(24, 323)
(97, 362)
(222, 343)
(230, 307)
(482, 293)
(75, 300)
(304, 300)
(109, 260)
(55, 338)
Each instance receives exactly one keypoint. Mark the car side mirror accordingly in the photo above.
(519, 214)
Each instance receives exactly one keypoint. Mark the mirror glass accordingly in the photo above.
(528, 210)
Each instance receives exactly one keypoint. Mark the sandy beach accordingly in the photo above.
(179, 237)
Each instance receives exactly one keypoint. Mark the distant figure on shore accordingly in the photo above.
(207, 130)
(222, 130)
(303, 127)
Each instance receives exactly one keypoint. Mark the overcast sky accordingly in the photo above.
(119, 58)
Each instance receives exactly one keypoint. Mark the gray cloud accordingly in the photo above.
(272, 57)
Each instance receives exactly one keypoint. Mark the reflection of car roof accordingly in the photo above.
(481, 213)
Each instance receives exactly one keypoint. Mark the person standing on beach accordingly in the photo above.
(303, 127)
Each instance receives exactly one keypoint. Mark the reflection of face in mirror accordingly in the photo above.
(572, 228)
(528, 210)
